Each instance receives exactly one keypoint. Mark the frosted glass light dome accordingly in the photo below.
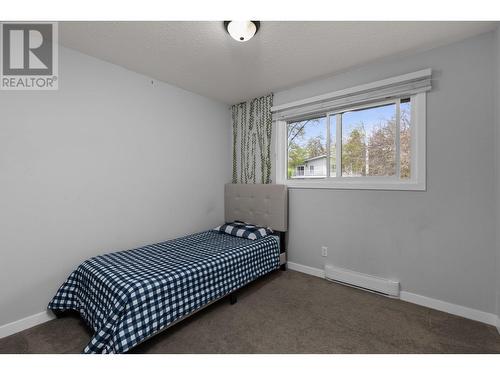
(242, 31)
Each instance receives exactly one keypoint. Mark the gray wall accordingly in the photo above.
(439, 243)
(108, 162)
(497, 160)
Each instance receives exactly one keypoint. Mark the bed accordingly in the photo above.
(129, 296)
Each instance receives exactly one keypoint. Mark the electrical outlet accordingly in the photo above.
(324, 251)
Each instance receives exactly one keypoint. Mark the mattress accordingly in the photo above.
(128, 296)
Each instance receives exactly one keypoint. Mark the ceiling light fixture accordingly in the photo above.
(242, 31)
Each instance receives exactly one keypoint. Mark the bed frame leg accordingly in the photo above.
(233, 298)
(59, 314)
(283, 267)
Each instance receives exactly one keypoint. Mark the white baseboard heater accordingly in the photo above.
(361, 280)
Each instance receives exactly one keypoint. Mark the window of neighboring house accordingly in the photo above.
(375, 146)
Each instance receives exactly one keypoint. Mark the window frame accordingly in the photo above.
(417, 180)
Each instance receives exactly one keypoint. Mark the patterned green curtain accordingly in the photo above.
(252, 131)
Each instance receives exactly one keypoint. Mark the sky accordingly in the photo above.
(371, 118)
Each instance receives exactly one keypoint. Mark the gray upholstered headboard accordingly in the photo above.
(259, 204)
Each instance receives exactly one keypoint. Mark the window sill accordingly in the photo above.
(356, 185)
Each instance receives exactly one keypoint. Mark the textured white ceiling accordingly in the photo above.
(201, 57)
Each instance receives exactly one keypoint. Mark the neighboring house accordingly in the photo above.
(312, 168)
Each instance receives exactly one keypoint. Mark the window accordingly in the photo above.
(371, 136)
(377, 145)
(307, 148)
(371, 144)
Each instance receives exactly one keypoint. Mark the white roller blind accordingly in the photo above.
(400, 86)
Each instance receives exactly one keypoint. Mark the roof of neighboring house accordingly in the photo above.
(315, 158)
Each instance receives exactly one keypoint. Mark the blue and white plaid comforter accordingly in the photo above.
(129, 295)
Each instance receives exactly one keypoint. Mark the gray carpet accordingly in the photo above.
(289, 312)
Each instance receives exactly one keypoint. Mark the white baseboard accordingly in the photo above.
(25, 323)
(450, 308)
(436, 304)
(306, 269)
